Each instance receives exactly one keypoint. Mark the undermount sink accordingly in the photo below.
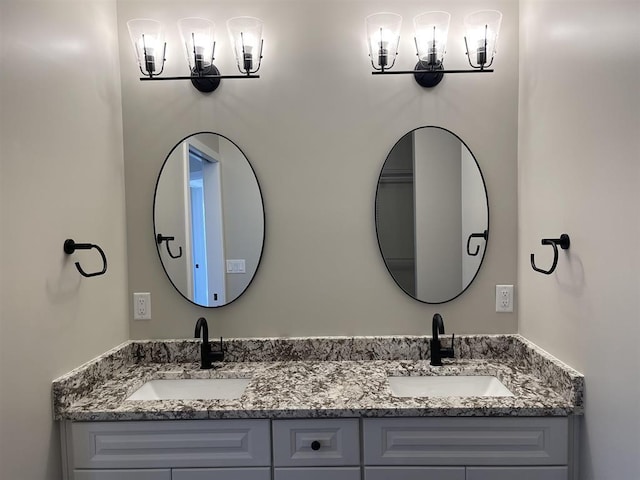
(191, 389)
(448, 386)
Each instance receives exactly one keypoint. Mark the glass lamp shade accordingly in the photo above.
(482, 29)
(431, 31)
(147, 37)
(383, 36)
(246, 41)
(198, 40)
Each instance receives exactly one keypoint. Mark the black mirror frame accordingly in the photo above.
(486, 193)
(155, 233)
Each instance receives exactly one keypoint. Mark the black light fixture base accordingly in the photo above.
(204, 84)
(428, 78)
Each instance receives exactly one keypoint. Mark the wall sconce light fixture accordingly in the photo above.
(198, 39)
(431, 32)
(481, 37)
(383, 37)
(147, 37)
(246, 40)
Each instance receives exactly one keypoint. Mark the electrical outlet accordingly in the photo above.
(504, 298)
(142, 306)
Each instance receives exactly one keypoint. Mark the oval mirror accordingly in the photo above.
(432, 215)
(208, 219)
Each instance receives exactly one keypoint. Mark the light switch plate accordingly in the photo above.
(236, 266)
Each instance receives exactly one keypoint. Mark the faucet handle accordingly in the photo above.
(217, 355)
(448, 352)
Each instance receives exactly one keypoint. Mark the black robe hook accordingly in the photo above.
(564, 243)
(484, 235)
(70, 247)
(161, 238)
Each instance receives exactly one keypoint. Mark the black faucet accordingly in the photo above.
(207, 355)
(438, 352)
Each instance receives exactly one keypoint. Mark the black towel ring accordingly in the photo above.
(70, 247)
(161, 238)
(484, 235)
(564, 243)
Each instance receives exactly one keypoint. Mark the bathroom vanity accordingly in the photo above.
(322, 408)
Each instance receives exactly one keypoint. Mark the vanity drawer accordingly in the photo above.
(415, 473)
(171, 443)
(317, 442)
(122, 475)
(466, 441)
(317, 473)
(222, 474)
(523, 473)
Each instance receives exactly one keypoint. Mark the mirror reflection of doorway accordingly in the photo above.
(205, 213)
(229, 219)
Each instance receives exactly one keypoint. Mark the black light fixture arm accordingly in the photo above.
(199, 76)
(418, 71)
(70, 246)
(484, 235)
(161, 238)
(564, 242)
(383, 68)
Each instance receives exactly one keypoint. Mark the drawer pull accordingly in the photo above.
(315, 445)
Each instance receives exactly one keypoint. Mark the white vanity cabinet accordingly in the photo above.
(316, 449)
(398, 448)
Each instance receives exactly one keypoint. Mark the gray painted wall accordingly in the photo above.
(318, 143)
(579, 173)
(61, 175)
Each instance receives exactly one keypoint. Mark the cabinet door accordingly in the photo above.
(221, 474)
(317, 473)
(122, 475)
(414, 473)
(466, 441)
(170, 444)
(519, 473)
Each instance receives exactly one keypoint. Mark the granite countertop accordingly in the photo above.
(319, 378)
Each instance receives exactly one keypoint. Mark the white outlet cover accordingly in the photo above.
(142, 306)
(504, 298)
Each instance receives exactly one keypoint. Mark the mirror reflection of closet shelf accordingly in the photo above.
(431, 200)
(236, 266)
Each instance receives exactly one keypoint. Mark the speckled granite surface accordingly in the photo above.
(319, 377)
